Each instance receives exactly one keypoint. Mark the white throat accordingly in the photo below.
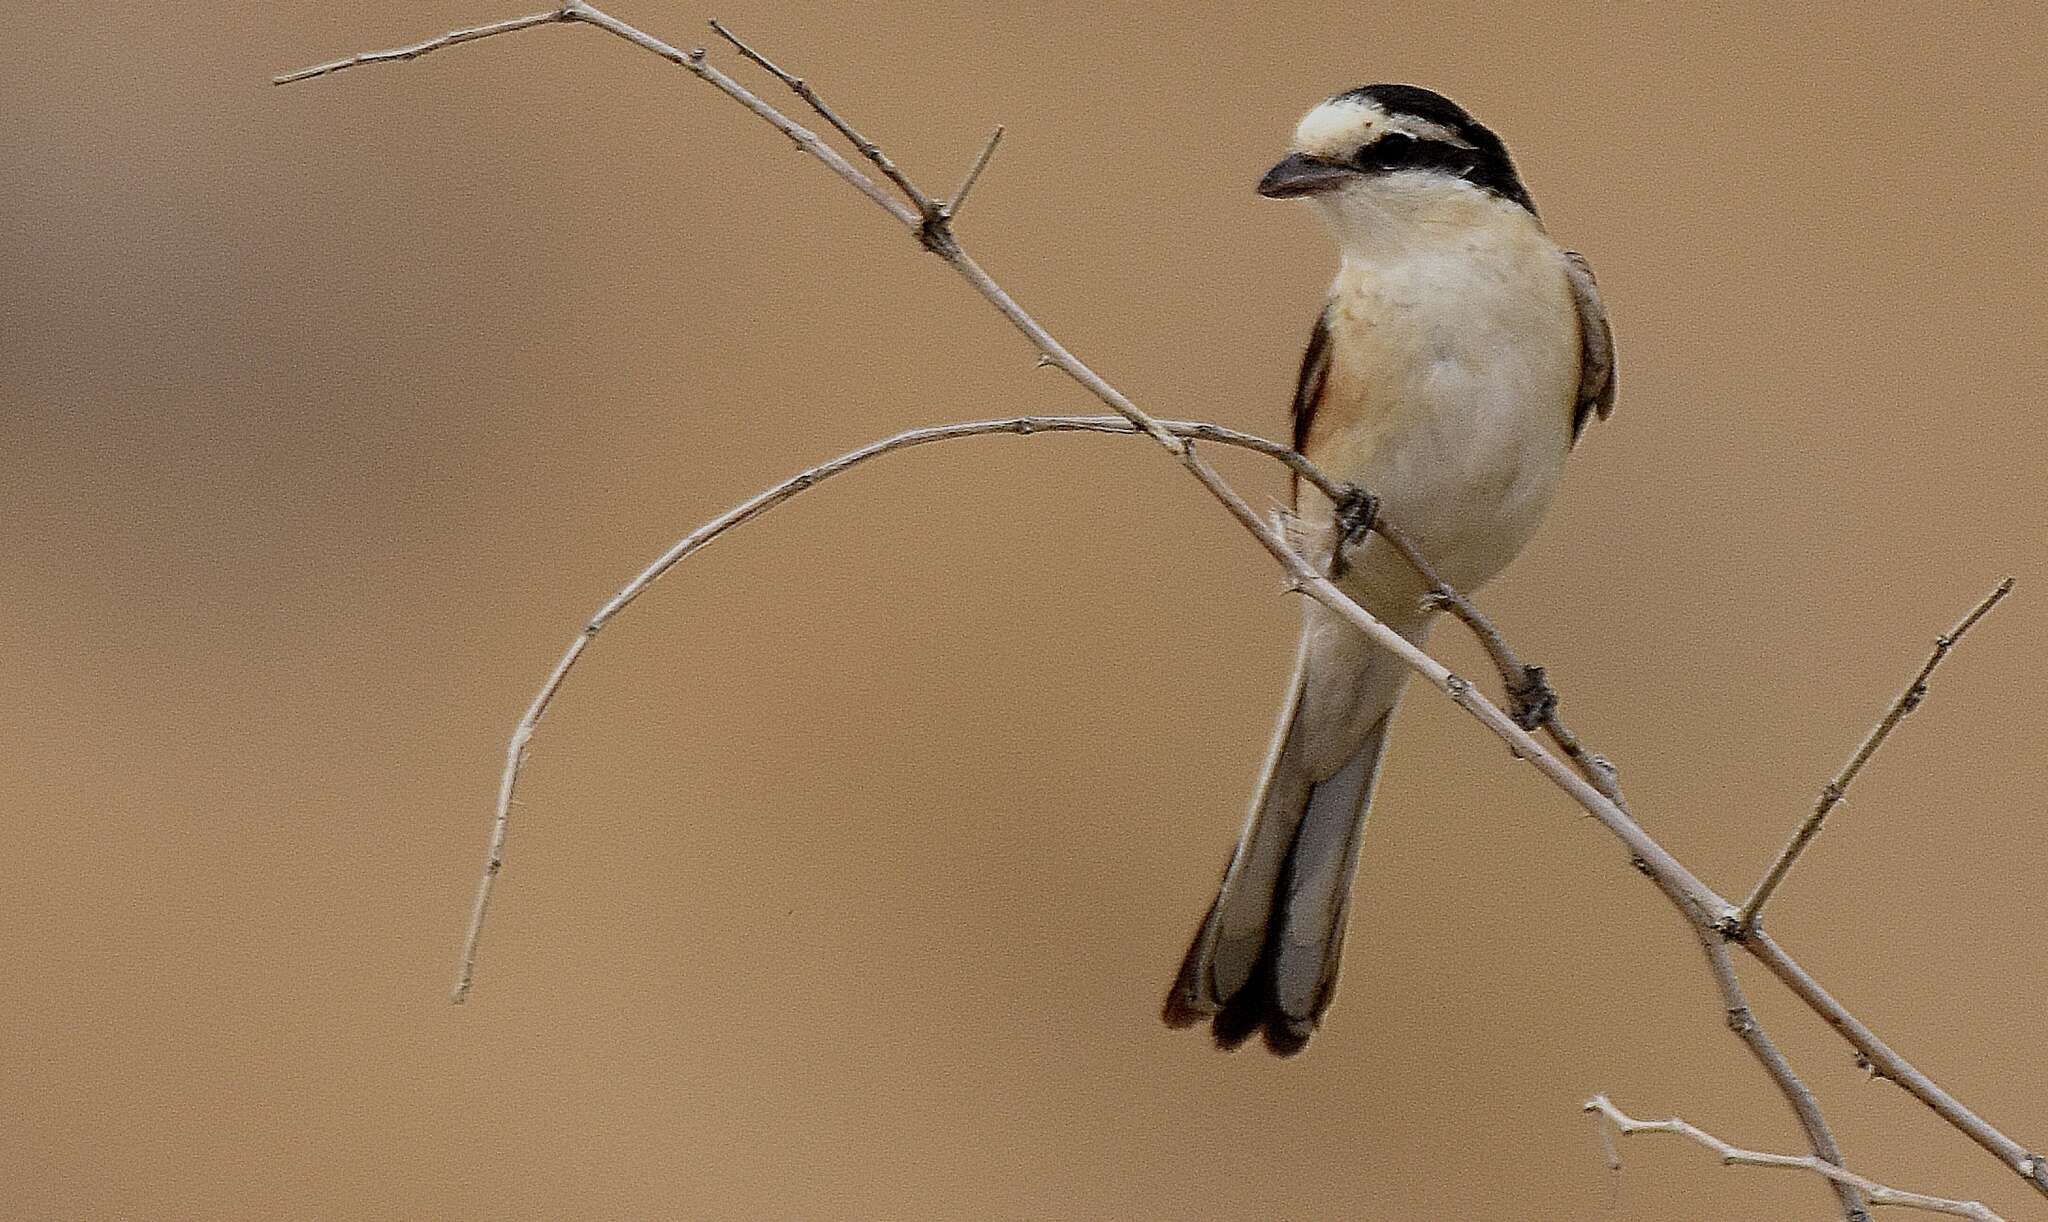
(1392, 218)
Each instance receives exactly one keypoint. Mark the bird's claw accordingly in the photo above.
(1531, 698)
(1351, 522)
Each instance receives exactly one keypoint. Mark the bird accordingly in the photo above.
(1459, 356)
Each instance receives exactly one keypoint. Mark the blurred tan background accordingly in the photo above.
(855, 862)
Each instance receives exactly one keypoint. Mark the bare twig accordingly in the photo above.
(1734, 1156)
(1750, 1030)
(1530, 697)
(951, 208)
(1834, 791)
(689, 61)
(1883, 1059)
(418, 49)
(926, 206)
(1595, 791)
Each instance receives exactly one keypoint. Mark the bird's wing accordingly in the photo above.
(1596, 345)
(1308, 390)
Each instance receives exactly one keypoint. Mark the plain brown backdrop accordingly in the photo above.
(855, 862)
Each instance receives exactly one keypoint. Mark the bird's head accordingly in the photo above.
(1382, 154)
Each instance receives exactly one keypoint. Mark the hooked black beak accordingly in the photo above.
(1301, 174)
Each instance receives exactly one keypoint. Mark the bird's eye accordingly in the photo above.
(1391, 150)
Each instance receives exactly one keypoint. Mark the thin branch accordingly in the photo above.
(2030, 1165)
(1595, 790)
(418, 49)
(747, 511)
(690, 61)
(951, 208)
(926, 206)
(1734, 1156)
(1750, 1030)
(1837, 789)
(1531, 698)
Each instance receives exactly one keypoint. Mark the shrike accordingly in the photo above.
(1459, 355)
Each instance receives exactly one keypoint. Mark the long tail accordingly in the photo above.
(1265, 958)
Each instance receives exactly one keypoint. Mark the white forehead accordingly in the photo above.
(1337, 128)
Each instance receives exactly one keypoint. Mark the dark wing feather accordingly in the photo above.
(1308, 391)
(1596, 345)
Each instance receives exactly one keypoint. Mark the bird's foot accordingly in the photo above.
(1531, 699)
(1352, 521)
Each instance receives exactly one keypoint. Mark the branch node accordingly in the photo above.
(1914, 695)
(935, 230)
(2034, 1169)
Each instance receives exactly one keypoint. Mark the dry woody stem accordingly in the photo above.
(1743, 1022)
(1587, 778)
(1834, 791)
(1734, 1156)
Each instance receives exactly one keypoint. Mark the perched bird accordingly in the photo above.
(1458, 357)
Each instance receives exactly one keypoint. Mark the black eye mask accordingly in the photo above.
(1401, 151)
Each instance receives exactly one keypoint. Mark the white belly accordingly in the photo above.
(1449, 396)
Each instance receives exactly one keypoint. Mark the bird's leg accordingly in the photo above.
(1350, 523)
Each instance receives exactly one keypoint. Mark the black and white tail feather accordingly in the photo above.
(1264, 961)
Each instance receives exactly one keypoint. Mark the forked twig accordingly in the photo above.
(1882, 1058)
(1734, 1156)
(1834, 791)
(926, 206)
(1745, 1025)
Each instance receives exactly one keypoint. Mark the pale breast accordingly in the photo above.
(1453, 373)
